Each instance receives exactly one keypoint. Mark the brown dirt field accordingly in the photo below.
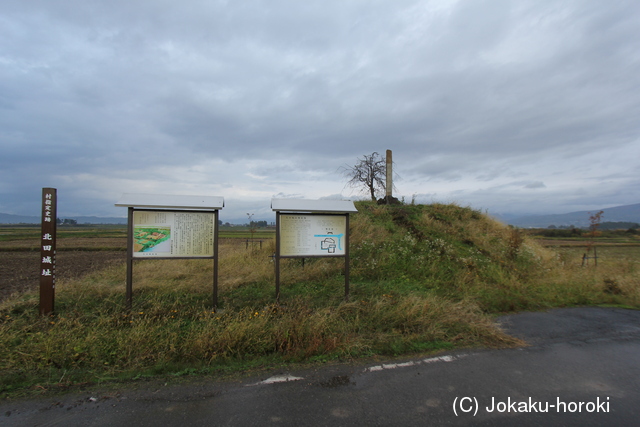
(76, 243)
(19, 270)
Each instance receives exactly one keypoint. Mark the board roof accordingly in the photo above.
(165, 201)
(308, 205)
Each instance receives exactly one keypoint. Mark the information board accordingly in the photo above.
(167, 234)
(312, 235)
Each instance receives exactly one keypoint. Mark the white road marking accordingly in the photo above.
(286, 378)
(278, 379)
(414, 363)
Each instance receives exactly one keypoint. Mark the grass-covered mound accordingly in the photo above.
(461, 254)
(423, 278)
(453, 252)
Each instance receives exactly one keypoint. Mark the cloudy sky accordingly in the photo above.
(510, 106)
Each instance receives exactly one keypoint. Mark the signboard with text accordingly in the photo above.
(312, 228)
(312, 235)
(171, 226)
(169, 234)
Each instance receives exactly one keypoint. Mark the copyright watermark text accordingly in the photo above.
(471, 405)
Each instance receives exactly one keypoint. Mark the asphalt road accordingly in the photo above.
(582, 368)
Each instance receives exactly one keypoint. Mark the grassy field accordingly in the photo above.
(423, 278)
(611, 247)
(245, 233)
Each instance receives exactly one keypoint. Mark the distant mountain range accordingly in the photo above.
(627, 213)
(26, 219)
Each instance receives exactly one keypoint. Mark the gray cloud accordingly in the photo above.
(535, 184)
(251, 99)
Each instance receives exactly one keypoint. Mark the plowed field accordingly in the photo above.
(78, 254)
(19, 270)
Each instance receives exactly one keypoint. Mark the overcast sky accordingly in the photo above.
(510, 106)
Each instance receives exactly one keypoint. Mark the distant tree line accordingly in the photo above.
(572, 231)
(553, 231)
(621, 225)
(66, 221)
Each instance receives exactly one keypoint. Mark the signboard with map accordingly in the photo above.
(167, 234)
(312, 228)
(312, 235)
(171, 226)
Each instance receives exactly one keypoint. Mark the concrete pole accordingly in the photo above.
(389, 182)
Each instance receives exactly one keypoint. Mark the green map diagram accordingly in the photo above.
(146, 238)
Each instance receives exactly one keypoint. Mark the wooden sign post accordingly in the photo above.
(48, 250)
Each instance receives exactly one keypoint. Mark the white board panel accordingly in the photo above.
(173, 234)
(312, 235)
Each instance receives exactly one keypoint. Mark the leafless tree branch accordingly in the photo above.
(368, 174)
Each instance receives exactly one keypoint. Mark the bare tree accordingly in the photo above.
(368, 174)
(594, 223)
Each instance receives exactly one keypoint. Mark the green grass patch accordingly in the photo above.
(246, 233)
